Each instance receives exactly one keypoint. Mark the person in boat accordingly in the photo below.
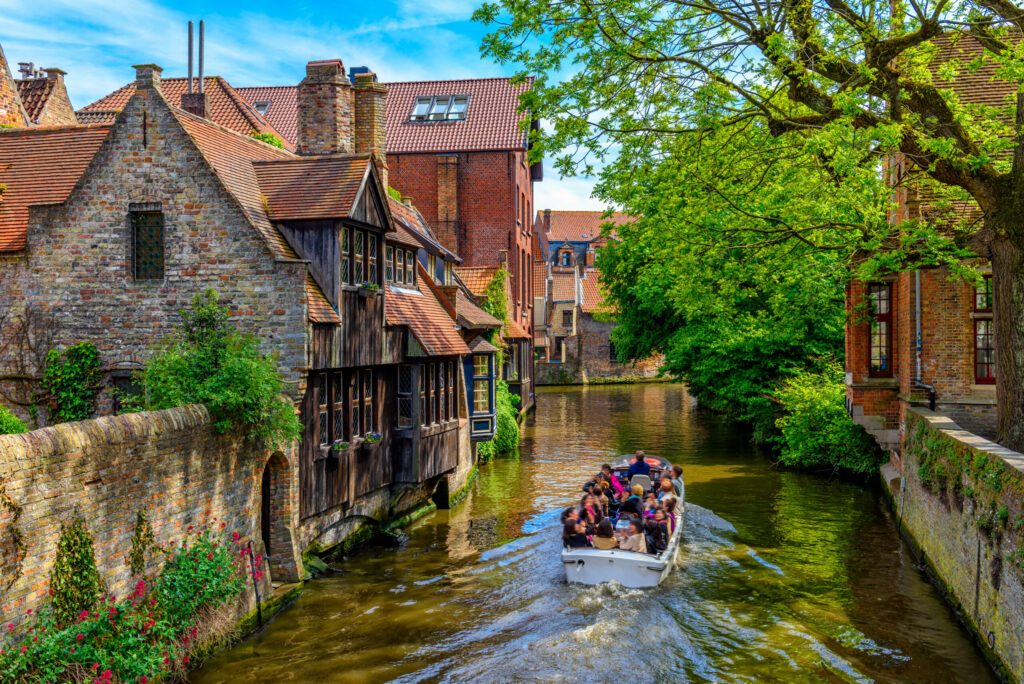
(667, 490)
(616, 486)
(635, 540)
(639, 466)
(670, 515)
(602, 501)
(632, 504)
(590, 513)
(574, 534)
(658, 532)
(570, 513)
(677, 480)
(604, 537)
(650, 505)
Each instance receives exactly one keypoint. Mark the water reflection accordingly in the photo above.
(784, 577)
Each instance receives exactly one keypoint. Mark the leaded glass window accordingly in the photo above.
(147, 245)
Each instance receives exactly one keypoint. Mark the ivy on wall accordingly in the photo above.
(74, 580)
(142, 542)
(11, 563)
(506, 436)
(72, 380)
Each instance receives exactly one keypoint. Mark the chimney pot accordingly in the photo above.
(147, 76)
(407, 201)
(54, 74)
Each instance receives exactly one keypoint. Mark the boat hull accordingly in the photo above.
(628, 568)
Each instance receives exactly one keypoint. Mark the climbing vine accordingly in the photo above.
(72, 379)
(506, 436)
(142, 542)
(74, 580)
(10, 567)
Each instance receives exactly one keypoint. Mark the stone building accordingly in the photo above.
(572, 340)
(38, 98)
(108, 229)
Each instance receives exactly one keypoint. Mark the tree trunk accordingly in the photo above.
(1008, 314)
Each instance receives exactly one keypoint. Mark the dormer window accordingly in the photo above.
(440, 108)
(261, 107)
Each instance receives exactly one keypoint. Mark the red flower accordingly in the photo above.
(79, 637)
(185, 660)
(28, 612)
(24, 648)
(209, 556)
(235, 536)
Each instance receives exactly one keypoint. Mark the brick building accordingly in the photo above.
(572, 344)
(924, 338)
(38, 98)
(107, 230)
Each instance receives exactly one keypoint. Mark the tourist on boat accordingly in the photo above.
(574, 534)
(667, 490)
(589, 510)
(570, 513)
(602, 501)
(670, 514)
(632, 504)
(616, 486)
(658, 531)
(677, 480)
(635, 539)
(639, 466)
(604, 537)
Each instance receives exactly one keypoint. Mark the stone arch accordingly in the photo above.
(275, 523)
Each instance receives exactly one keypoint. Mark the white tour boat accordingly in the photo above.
(629, 568)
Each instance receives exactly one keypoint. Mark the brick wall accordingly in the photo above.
(595, 354)
(11, 111)
(77, 266)
(58, 110)
(170, 465)
(371, 122)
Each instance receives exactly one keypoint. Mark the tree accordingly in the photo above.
(855, 87)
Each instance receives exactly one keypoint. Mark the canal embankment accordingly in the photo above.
(958, 501)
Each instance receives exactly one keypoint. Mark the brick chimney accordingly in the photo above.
(147, 76)
(371, 135)
(325, 109)
(546, 222)
(194, 103)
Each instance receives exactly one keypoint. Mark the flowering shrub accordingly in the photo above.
(145, 637)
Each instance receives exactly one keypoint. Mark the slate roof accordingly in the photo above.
(421, 311)
(319, 309)
(580, 226)
(476, 278)
(418, 230)
(35, 93)
(980, 86)
(593, 293)
(563, 287)
(224, 105)
(40, 166)
(283, 111)
(306, 188)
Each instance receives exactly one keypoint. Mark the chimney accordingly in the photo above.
(26, 69)
(193, 101)
(55, 74)
(147, 76)
(371, 123)
(325, 109)
(590, 255)
(547, 221)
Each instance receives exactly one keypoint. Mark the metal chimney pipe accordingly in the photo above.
(190, 58)
(201, 41)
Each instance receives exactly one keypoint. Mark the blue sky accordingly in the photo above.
(258, 43)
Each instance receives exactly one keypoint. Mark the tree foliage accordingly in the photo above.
(208, 362)
(9, 423)
(864, 92)
(268, 138)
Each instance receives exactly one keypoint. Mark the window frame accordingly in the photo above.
(410, 267)
(989, 378)
(346, 260)
(404, 417)
(137, 217)
(389, 263)
(877, 319)
(486, 377)
(438, 108)
(984, 293)
(566, 318)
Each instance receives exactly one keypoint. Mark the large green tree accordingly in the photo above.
(852, 86)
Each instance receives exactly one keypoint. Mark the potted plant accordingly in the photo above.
(367, 289)
(371, 440)
(338, 446)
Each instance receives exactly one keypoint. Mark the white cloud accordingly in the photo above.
(565, 194)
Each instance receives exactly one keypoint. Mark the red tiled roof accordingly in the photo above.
(96, 116)
(40, 166)
(514, 331)
(308, 188)
(563, 287)
(231, 156)
(540, 279)
(224, 105)
(408, 221)
(283, 111)
(476, 278)
(480, 345)
(974, 86)
(492, 119)
(593, 293)
(35, 93)
(320, 310)
(426, 318)
(470, 314)
(581, 226)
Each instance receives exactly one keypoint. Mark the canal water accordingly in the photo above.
(783, 577)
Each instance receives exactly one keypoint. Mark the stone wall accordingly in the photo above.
(11, 111)
(960, 503)
(170, 465)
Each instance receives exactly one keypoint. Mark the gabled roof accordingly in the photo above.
(283, 111)
(420, 310)
(593, 292)
(470, 315)
(224, 105)
(35, 93)
(479, 345)
(514, 331)
(40, 166)
(580, 226)
(476, 278)
(319, 309)
(306, 188)
(563, 286)
(408, 217)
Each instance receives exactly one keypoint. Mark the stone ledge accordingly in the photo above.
(946, 426)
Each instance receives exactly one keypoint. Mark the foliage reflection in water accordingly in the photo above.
(784, 576)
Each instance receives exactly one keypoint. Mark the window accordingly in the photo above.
(447, 273)
(400, 267)
(565, 258)
(984, 352)
(431, 393)
(262, 106)
(442, 392)
(389, 264)
(612, 356)
(371, 258)
(567, 319)
(338, 407)
(147, 245)
(512, 368)
(432, 266)
(410, 268)
(358, 254)
(983, 295)
(453, 392)
(440, 108)
(556, 354)
(346, 245)
(483, 380)
(423, 394)
(367, 400)
(323, 425)
(880, 301)
(405, 396)
(354, 402)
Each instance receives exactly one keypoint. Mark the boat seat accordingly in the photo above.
(641, 480)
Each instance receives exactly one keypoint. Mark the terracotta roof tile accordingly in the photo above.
(580, 226)
(476, 278)
(320, 310)
(425, 316)
(470, 314)
(35, 93)
(305, 188)
(96, 116)
(479, 345)
(514, 331)
(540, 279)
(231, 156)
(40, 166)
(224, 105)
(593, 292)
(978, 87)
(409, 224)
(563, 287)
(283, 111)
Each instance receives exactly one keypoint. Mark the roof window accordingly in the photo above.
(440, 108)
(262, 106)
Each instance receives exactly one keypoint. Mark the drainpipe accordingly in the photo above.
(917, 356)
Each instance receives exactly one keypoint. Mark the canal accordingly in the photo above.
(784, 576)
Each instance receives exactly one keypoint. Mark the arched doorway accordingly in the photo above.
(275, 520)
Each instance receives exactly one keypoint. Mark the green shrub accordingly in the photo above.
(208, 362)
(75, 583)
(72, 380)
(506, 434)
(142, 541)
(9, 423)
(268, 138)
(816, 432)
